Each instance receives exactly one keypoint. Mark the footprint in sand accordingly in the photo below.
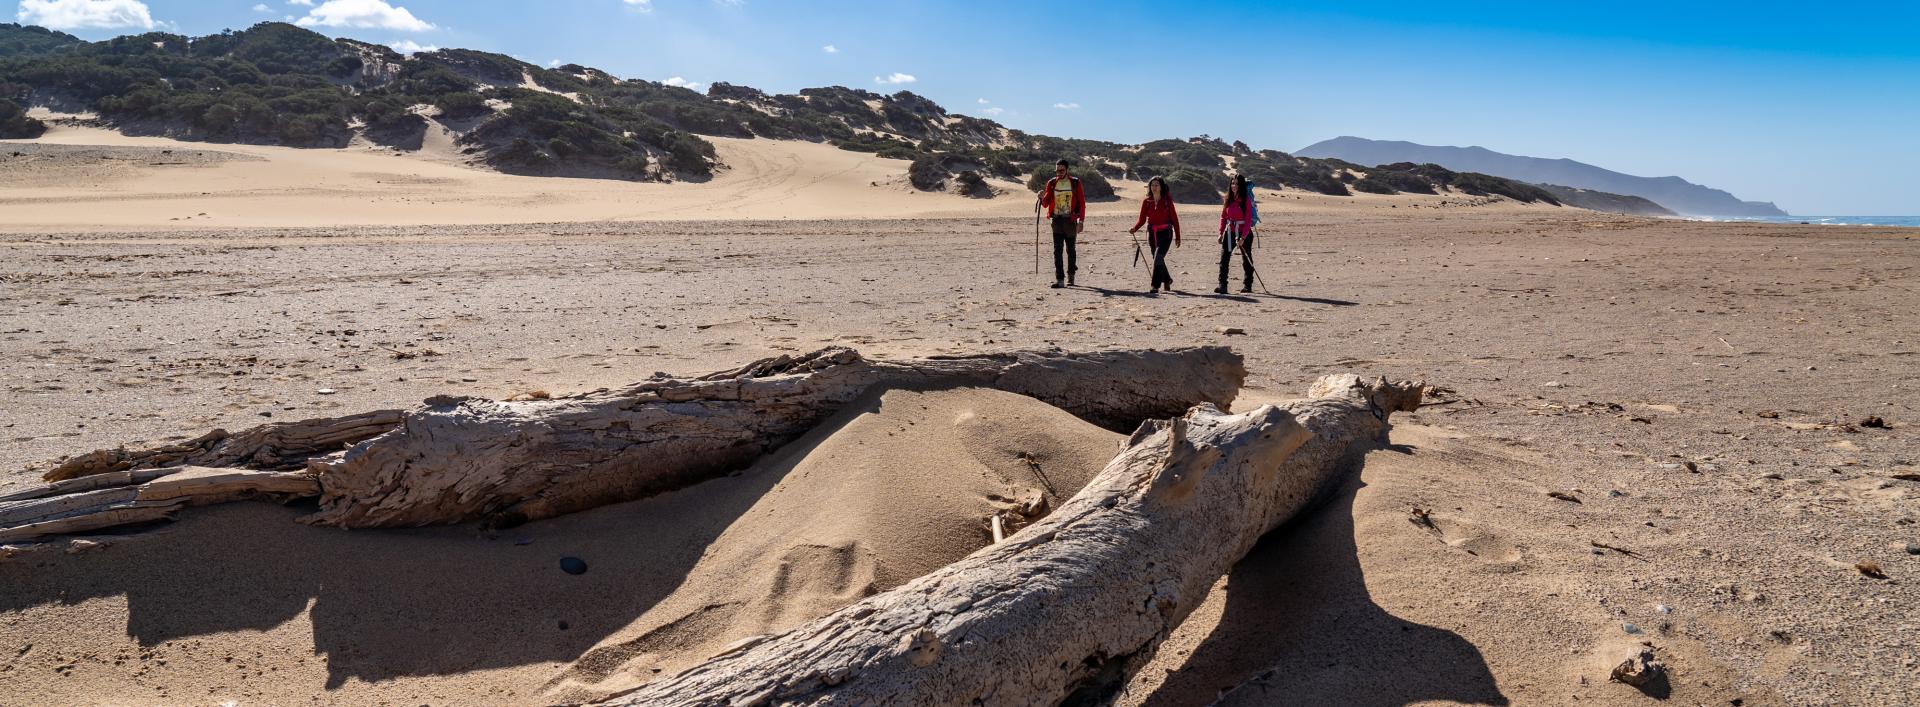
(1473, 539)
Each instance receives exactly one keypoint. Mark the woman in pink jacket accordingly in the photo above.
(1236, 233)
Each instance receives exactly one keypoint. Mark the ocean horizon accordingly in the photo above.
(1903, 221)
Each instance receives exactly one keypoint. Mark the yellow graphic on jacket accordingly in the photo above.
(1063, 197)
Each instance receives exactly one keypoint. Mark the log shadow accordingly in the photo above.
(389, 603)
(1300, 628)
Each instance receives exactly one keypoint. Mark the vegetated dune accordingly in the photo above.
(241, 603)
(83, 178)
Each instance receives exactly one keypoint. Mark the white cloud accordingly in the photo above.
(982, 101)
(554, 63)
(363, 14)
(1067, 106)
(261, 7)
(683, 83)
(994, 111)
(895, 78)
(640, 5)
(302, 3)
(86, 14)
(408, 46)
(830, 49)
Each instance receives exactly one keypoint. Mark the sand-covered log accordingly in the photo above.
(1069, 606)
(459, 458)
(130, 497)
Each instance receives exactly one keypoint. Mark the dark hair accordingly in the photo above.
(1163, 188)
(1239, 191)
(1063, 163)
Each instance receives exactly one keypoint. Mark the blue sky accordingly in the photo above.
(1812, 105)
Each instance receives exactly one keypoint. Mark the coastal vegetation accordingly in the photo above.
(276, 83)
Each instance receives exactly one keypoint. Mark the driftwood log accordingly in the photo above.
(1065, 609)
(130, 497)
(457, 459)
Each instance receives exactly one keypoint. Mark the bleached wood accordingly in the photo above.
(155, 499)
(1066, 608)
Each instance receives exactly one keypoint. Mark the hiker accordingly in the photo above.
(1163, 230)
(1067, 205)
(1237, 219)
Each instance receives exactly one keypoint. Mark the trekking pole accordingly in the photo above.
(1256, 271)
(1036, 236)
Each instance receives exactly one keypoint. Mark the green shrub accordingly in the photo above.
(15, 125)
(1096, 187)
(1373, 184)
(973, 185)
(927, 173)
(1190, 187)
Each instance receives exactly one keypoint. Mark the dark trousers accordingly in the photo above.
(1063, 240)
(1230, 242)
(1160, 241)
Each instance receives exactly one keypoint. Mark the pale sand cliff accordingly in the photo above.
(1622, 362)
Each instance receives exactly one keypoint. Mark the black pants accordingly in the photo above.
(1063, 240)
(1160, 241)
(1228, 243)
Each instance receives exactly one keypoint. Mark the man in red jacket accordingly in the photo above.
(1067, 205)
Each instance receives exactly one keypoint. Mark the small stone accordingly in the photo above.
(1630, 628)
(81, 545)
(1663, 608)
(573, 565)
(1913, 548)
(326, 391)
(1232, 331)
(469, 380)
(1551, 384)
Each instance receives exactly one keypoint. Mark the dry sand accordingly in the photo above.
(1698, 387)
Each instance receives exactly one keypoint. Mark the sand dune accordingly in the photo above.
(365, 185)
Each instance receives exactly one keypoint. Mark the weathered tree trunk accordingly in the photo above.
(1069, 606)
(457, 459)
(129, 497)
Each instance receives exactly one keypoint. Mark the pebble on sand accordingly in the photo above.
(573, 565)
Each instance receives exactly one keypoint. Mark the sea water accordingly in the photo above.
(1907, 221)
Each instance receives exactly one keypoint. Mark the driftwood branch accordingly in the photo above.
(457, 459)
(281, 445)
(131, 497)
(1069, 606)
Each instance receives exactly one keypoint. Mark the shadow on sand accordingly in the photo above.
(1300, 628)
(1241, 297)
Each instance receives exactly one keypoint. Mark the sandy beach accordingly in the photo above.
(1704, 393)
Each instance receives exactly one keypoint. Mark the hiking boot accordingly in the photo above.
(1069, 278)
(1056, 285)
(1221, 290)
(1246, 288)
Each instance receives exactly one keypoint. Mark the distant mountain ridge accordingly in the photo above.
(1673, 193)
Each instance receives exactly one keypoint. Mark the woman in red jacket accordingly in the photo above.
(1163, 230)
